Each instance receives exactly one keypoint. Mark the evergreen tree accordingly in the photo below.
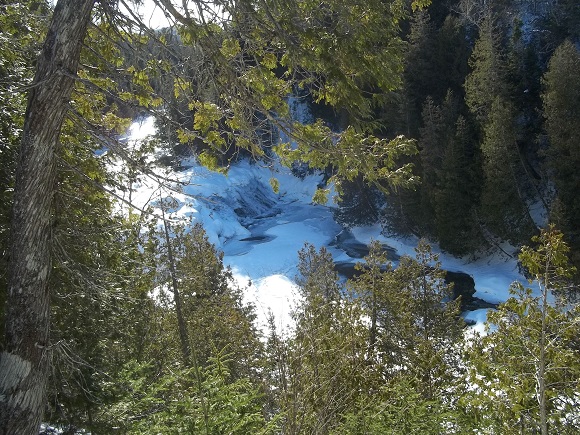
(487, 80)
(456, 194)
(503, 206)
(212, 314)
(185, 400)
(416, 322)
(420, 78)
(436, 62)
(448, 164)
(368, 286)
(100, 305)
(526, 367)
(437, 125)
(23, 362)
(424, 333)
(397, 407)
(413, 345)
(359, 204)
(325, 363)
(451, 57)
(561, 110)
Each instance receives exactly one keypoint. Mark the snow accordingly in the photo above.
(140, 130)
(477, 318)
(261, 232)
(272, 295)
(493, 275)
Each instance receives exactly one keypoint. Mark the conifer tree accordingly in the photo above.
(184, 400)
(448, 165)
(561, 99)
(368, 286)
(456, 194)
(429, 327)
(326, 369)
(100, 302)
(526, 367)
(437, 124)
(213, 315)
(416, 322)
(413, 336)
(503, 202)
(420, 77)
(23, 361)
(487, 80)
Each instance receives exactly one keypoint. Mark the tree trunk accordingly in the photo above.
(183, 335)
(541, 381)
(24, 362)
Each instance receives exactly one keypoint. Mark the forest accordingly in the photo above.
(455, 121)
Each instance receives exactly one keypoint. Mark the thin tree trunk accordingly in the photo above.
(24, 363)
(542, 358)
(183, 336)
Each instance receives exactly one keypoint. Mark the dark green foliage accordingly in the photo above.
(488, 77)
(449, 193)
(100, 300)
(316, 278)
(184, 400)
(214, 315)
(456, 193)
(503, 202)
(413, 336)
(399, 408)
(420, 322)
(435, 63)
(359, 204)
(416, 322)
(562, 110)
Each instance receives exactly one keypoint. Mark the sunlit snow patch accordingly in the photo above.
(273, 295)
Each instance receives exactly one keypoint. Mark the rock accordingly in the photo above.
(464, 287)
(355, 249)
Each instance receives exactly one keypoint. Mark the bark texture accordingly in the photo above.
(24, 363)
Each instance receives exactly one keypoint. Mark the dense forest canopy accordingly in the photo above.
(452, 120)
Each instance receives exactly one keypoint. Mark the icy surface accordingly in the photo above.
(261, 232)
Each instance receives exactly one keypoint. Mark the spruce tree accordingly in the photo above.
(503, 201)
(561, 99)
(487, 80)
(449, 173)
(456, 194)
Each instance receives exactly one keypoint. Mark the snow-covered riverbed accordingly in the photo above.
(261, 232)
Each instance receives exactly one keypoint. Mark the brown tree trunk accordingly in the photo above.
(24, 362)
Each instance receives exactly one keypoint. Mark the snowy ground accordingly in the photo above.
(260, 232)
